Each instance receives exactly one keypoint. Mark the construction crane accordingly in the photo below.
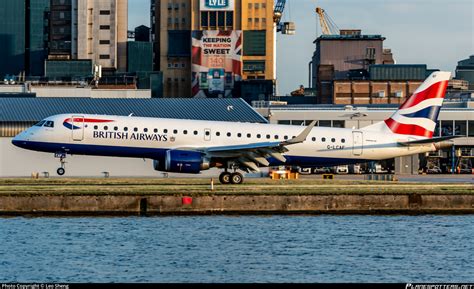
(328, 26)
(285, 27)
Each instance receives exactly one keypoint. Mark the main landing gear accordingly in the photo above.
(62, 160)
(234, 178)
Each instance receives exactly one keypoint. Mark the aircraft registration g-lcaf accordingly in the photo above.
(191, 146)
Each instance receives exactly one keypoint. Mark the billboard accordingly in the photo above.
(216, 62)
(216, 5)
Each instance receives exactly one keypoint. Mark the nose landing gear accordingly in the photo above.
(62, 160)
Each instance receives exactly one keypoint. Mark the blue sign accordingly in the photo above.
(217, 4)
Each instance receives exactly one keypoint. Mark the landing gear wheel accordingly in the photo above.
(224, 178)
(61, 171)
(236, 178)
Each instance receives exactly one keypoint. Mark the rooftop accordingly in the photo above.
(18, 109)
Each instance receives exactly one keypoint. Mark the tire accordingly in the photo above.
(61, 171)
(236, 178)
(224, 178)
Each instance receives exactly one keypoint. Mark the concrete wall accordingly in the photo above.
(42, 91)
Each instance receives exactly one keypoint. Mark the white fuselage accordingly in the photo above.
(148, 137)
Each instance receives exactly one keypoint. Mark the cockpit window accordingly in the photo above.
(49, 123)
(40, 123)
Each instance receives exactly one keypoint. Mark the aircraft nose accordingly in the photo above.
(19, 139)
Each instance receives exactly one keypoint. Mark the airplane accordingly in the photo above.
(191, 146)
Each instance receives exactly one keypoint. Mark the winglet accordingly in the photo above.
(302, 136)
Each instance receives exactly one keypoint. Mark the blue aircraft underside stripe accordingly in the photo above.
(430, 112)
(155, 153)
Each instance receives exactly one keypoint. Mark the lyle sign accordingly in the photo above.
(217, 4)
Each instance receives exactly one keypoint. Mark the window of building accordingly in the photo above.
(257, 5)
(460, 127)
(104, 12)
(104, 56)
(229, 19)
(283, 122)
(221, 19)
(338, 123)
(204, 19)
(104, 41)
(470, 128)
(212, 18)
(446, 127)
(104, 27)
(297, 122)
(324, 123)
(250, 6)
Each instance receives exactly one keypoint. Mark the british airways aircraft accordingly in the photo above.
(190, 146)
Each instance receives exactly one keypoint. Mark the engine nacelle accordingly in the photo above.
(179, 161)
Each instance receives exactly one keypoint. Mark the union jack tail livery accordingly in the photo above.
(418, 115)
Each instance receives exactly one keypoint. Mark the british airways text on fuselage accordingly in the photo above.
(129, 136)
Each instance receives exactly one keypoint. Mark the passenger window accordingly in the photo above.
(115, 128)
(343, 140)
(286, 137)
(145, 130)
(106, 127)
(268, 136)
(135, 129)
(40, 123)
(96, 127)
(155, 130)
(175, 131)
(323, 139)
(195, 132)
(259, 135)
(218, 133)
(229, 134)
(185, 132)
(313, 139)
(165, 131)
(277, 137)
(125, 129)
(333, 140)
(249, 135)
(239, 135)
(207, 132)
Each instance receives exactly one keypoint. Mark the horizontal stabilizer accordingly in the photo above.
(428, 140)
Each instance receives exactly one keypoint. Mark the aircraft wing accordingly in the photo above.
(251, 155)
(428, 140)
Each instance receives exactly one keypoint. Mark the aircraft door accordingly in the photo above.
(207, 134)
(357, 143)
(77, 128)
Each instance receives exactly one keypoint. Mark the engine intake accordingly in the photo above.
(179, 161)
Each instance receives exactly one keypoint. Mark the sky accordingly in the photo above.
(438, 33)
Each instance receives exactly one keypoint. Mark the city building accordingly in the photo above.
(20, 113)
(142, 33)
(231, 40)
(465, 71)
(102, 33)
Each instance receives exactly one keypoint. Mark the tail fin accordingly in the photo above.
(418, 115)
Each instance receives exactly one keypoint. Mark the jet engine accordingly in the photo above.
(180, 161)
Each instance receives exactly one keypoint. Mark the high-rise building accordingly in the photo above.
(465, 71)
(37, 35)
(102, 33)
(60, 30)
(12, 37)
(204, 47)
